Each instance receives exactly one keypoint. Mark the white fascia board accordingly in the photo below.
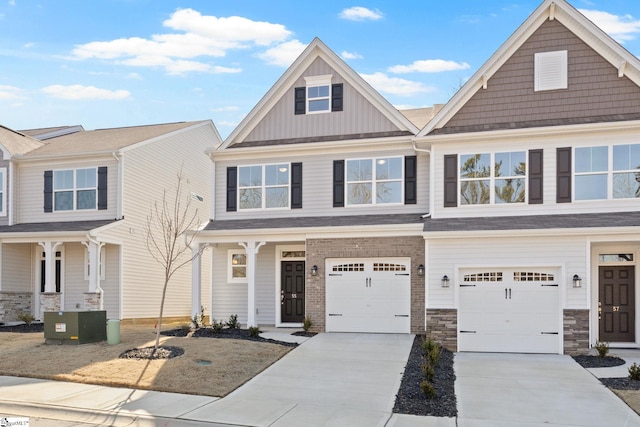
(547, 232)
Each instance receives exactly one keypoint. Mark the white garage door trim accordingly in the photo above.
(370, 295)
(515, 310)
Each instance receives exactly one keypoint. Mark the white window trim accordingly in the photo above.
(3, 188)
(314, 81)
(102, 266)
(230, 278)
(74, 190)
(264, 187)
(373, 182)
(492, 180)
(551, 70)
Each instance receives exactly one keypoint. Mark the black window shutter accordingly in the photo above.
(48, 191)
(410, 180)
(336, 97)
(338, 183)
(102, 188)
(535, 177)
(563, 175)
(232, 189)
(300, 100)
(296, 185)
(451, 181)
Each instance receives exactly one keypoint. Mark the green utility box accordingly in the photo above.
(75, 327)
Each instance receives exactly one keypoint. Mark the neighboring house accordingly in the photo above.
(73, 210)
(509, 222)
(535, 194)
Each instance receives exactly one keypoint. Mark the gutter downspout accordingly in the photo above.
(424, 150)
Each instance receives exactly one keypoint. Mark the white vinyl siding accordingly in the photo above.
(17, 267)
(74, 284)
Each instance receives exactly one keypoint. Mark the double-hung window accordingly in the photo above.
(318, 94)
(374, 181)
(75, 189)
(264, 186)
(237, 266)
(607, 172)
(493, 178)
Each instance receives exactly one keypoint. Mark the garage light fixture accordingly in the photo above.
(421, 270)
(314, 270)
(577, 281)
(445, 281)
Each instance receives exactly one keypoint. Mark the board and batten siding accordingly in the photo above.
(30, 191)
(150, 169)
(317, 187)
(358, 115)
(17, 267)
(231, 298)
(549, 145)
(447, 256)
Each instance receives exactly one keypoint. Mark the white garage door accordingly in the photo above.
(368, 295)
(509, 310)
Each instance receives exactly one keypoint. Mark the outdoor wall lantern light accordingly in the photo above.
(577, 281)
(445, 281)
(314, 270)
(421, 270)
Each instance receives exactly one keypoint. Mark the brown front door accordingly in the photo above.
(616, 304)
(292, 292)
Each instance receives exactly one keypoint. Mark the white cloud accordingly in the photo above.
(429, 66)
(620, 27)
(283, 54)
(394, 85)
(12, 2)
(359, 13)
(350, 55)
(196, 36)
(10, 92)
(79, 92)
(224, 109)
(28, 45)
(134, 76)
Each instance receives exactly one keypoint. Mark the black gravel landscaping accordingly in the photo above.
(621, 383)
(410, 399)
(24, 328)
(598, 362)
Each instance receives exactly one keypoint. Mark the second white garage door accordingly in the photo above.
(368, 295)
(509, 310)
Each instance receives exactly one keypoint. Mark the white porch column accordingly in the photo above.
(251, 249)
(196, 279)
(49, 265)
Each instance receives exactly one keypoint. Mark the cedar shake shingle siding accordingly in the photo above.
(595, 91)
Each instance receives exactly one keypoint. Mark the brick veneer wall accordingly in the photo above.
(318, 250)
(14, 303)
(576, 331)
(442, 327)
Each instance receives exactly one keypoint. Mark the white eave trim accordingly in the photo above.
(547, 232)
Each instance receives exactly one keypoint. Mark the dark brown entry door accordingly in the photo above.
(616, 304)
(292, 292)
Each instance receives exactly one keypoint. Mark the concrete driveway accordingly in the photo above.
(332, 379)
(533, 390)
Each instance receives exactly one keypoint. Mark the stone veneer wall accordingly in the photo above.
(92, 301)
(50, 301)
(576, 331)
(442, 327)
(14, 303)
(318, 250)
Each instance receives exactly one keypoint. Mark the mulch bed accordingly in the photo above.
(621, 383)
(598, 362)
(238, 334)
(32, 328)
(410, 399)
(304, 334)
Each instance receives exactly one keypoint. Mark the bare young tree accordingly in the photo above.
(167, 239)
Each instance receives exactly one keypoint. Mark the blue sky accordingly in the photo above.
(112, 63)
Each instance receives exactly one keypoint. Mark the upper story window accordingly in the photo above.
(551, 70)
(75, 189)
(264, 186)
(607, 172)
(374, 181)
(318, 96)
(487, 178)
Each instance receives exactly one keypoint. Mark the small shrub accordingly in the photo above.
(428, 345)
(26, 318)
(602, 348)
(217, 326)
(306, 324)
(428, 371)
(254, 331)
(427, 389)
(198, 319)
(434, 356)
(634, 372)
(232, 323)
(186, 327)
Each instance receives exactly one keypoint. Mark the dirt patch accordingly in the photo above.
(233, 362)
(630, 397)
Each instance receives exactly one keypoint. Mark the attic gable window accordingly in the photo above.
(551, 70)
(318, 96)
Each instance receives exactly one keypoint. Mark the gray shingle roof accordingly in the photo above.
(534, 222)
(314, 221)
(47, 227)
